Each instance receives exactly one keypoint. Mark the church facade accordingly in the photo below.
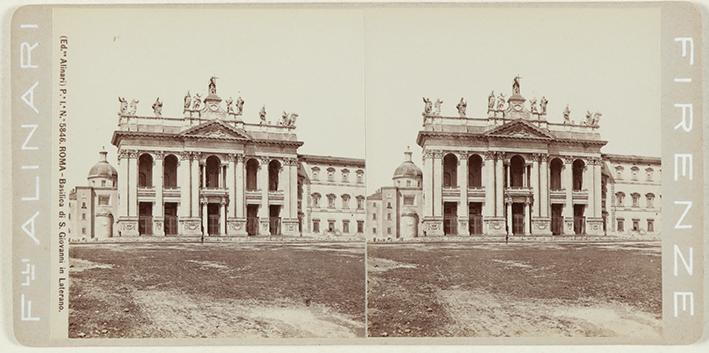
(210, 172)
(513, 172)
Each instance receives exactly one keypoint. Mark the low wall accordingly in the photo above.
(498, 239)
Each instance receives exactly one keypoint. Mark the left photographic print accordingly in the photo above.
(217, 184)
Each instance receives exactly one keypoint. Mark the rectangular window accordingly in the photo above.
(316, 226)
(83, 230)
(388, 216)
(83, 216)
(389, 230)
(345, 226)
(651, 226)
(621, 225)
(374, 230)
(374, 216)
(83, 204)
(636, 225)
(360, 227)
(103, 200)
(409, 200)
(360, 203)
(330, 226)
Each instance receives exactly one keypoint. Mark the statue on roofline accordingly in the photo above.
(491, 102)
(213, 85)
(262, 115)
(515, 85)
(437, 107)
(543, 105)
(501, 102)
(533, 106)
(187, 101)
(427, 106)
(157, 107)
(229, 105)
(133, 108)
(462, 106)
(123, 110)
(239, 105)
(567, 115)
(196, 102)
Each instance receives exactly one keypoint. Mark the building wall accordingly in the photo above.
(634, 175)
(326, 176)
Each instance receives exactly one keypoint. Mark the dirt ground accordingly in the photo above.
(216, 290)
(516, 289)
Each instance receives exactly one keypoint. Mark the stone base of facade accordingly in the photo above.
(433, 226)
(128, 226)
(190, 226)
(264, 228)
(594, 226)
(463, 227)
(569, 226)
(495, 226)
(541, 226)
(236, 227)
(158, 227)
(289, 227)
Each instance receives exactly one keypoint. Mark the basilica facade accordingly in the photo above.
(514, 172)
(210, 172)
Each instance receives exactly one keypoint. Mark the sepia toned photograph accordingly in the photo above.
(217, 183)
(514, 173)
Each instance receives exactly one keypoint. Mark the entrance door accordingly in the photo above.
(145, 218)
(518, 219)
(213, 219)
(450, 222)
(579, 220)
(475, 227)
(252, 219)
(274, 220)
(557, 220)
(170, 218)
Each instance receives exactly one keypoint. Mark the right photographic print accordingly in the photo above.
(514, 172)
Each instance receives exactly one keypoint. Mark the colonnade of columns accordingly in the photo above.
(229, 194)
(532, 196)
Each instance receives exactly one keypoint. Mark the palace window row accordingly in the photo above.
(331, 227)
(332, 198)
(635, 225)
(634, 173)
(635, 197)
(344, 175)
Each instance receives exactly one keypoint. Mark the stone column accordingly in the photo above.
(205, 218)
(527, 220)
(438, 185)
(428, 184)
(567, 184)
(289, 218)
(263, 211)
(587, 186)
(158, 214)
(594, 222)
(127, 223)
(240, 204)
(597, 188)
(133, 184)
(183, 182)
(544, 187)
(541, 223)
(534, 179)
(203, 171)
(223, 219)
(489, 171)
(195, 185)
(231, 204)
(294, 191)
(463, 215)
(508, 216)
(500, 186)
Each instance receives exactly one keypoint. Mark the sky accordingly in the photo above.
(356, 76)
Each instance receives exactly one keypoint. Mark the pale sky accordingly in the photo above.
(351, 73)
(605, 60)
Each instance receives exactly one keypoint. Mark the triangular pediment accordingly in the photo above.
(215, 129)
(520, 129)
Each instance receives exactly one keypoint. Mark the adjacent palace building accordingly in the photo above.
(515, 173)
(209, 172)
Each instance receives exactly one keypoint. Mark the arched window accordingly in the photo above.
(620, 198)
(345, 175)
(650, 200)
(331, 200)
(316, 173)
(360, 202)
(331, 174)
(213, 169)
(636, 199)
(345, 201)
(274, 168)
(619, 172)
(169, 165)
(475, 171)
(145, 170)
(252, 166)
(450, 166)
(649, 174)
(360, 176)
(516, 171)
(577, 169)
(555, 168)
(316, 200)
(634, 172)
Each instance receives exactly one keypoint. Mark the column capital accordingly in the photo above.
(195, 156)
(427, 155)
(264, 160)
(184, 156)
(567, 159)
(238, 157)
(158, 155)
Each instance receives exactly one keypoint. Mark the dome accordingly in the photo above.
(408, 169)
(102, 169)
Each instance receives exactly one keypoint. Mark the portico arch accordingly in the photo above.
(252, 174)
(577, 174)
(170, 171)
(145, 170)
(555, 168)
(213, 168)
(475, 168)
(450, 166)
(517, 166)
(274, 169)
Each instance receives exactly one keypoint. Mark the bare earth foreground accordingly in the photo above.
(518, 289)
(216, 290)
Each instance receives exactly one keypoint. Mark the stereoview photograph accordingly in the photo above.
(219, 191)
(530, 206)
